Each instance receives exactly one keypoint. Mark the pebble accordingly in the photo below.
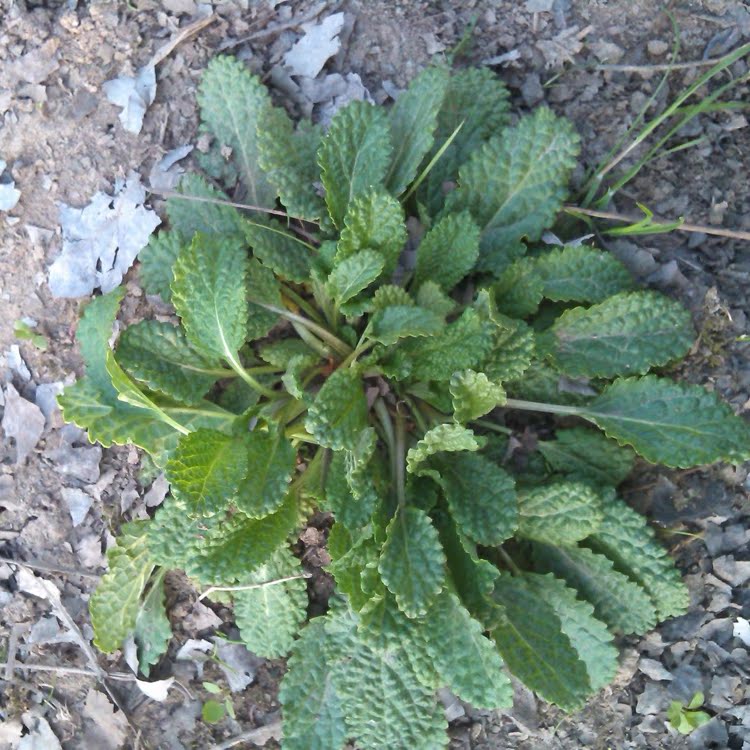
(657, 47)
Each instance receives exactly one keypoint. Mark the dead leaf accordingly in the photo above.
(563, 47)
(101, 240)
(134, 95)
(166, 173)
(112, 726)
(237, 663)
(22, 421)
(320, 42)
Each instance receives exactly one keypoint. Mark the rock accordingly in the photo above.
(532, 90)
(736, 572)
(654, 670)
(657, 47)
(688, 680)
(75, 457)
(23, 422)
(78, 503)
(710, 735)
(652, 700)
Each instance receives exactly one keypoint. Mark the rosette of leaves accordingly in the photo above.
(368, 354)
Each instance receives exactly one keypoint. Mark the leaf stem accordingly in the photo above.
(508, 560)
(513, 403)
(302, 303)
(489, 425)
(389, 435)
(250, 586)
(235, 364)
(400, 459)
(312, 341)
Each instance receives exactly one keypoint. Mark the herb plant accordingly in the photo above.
(399, 351)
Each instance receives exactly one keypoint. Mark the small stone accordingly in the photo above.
(657, 48)
(736, 572)
(78, 503)
(654, 670)
(532, 90)
(652, 700)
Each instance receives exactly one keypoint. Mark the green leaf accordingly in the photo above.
(625, 537)
(540, 381)
(354, 156)
(270, 465)
(354, 274)
(448, 251)
(674, 424)
(577, 273)
(531, 640)
(206, 470)
(518, 290)
(389, 295)
(209, 216)
(617, 600)
(270, 616)
(288, 158)
(213, 712)
(280, 353)
(153, 630)
(462, 344)
(515, 184)
(353, 512)
(413, 119)
(432, 297)
(339, 412)
(476, 101)
(626, 334)
(587, 455)
(468, 661)
(208, 293)
(156, 261)
(412, 563)
(589, 636)
(282, 252)
(443, 437)
(312, 704)
(403, 321)
(115, 603)
(350, 570)
(481, 497)
(474, 394)
(233, 102)
(262, 289)
(374, 221)
(159, 355)
(559, 512)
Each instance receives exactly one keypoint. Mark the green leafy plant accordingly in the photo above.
(686, 719)
(462, 411)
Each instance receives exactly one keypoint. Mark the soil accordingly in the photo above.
(63, 142)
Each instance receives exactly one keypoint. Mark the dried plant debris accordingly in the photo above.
(166, 173)
(9, 195)
(320, 42)
(134, 95)
(101, 240)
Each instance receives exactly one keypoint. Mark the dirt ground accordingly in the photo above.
(596, 62)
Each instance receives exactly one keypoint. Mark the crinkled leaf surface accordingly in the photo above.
(531, 640)
(481, 496)
(354, 274)
(270, 616)
(403, 321)
(617, 600)
(628, 333)
(432, 297)
(443, 437)
(514, 185)
(559, 512)
(354, 156)
(518, 290)
(339, 412)
(474, 394)
(115, 603)
(412, 563)
(153, 630)
(263, 293)
(670, 423)
(156, 261)
(281, 251)
(208, 293)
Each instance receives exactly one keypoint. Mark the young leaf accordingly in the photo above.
(209, 217)
(626, 334)
(354, 274)
(374, 221)
(625, 537)
(288, 158)
(269, 616)
(339, 412)
(474, 394)
(468, 661)
(474, 109)
(270, 464)
(208, 293)
(531, 640)
(282, 252)
(281, 352)
(515, 184)
(233, 102)
(674, 424)
(412, 563)
(153, 630)
(443, 437)
(156, 261)
(413, 119)
(262, 289)
(432, 297)
(587, 455)
(159, 355)
(403, 321)
(350, 568)
(559, 513)
(115, 604)
(447, 252)
(206, 470)
(589, 636)
(618, 601)
(481, 497)
(389, 295)
(518, 290)
(354, 156)
(577, 273)
(511, 352)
